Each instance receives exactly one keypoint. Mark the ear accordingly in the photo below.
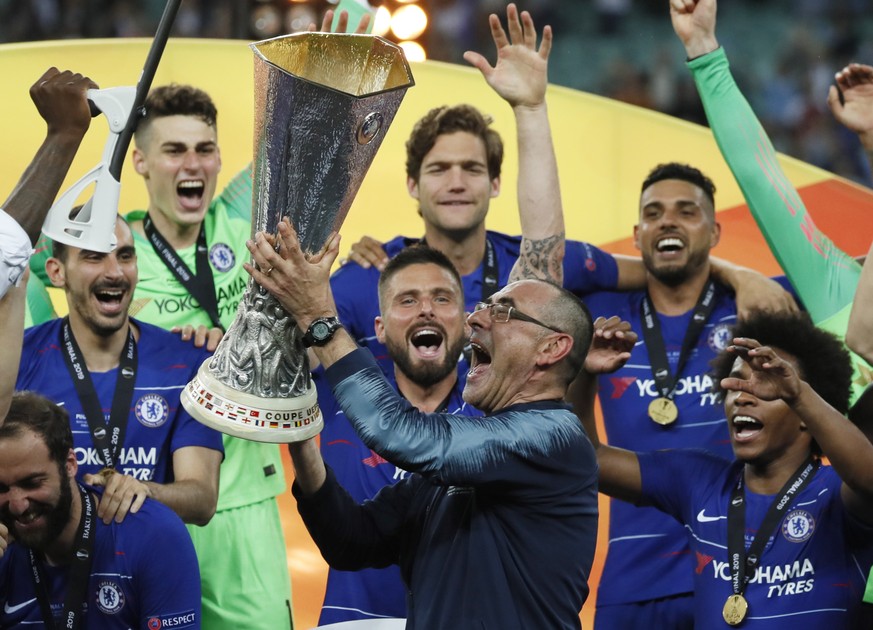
(139, 163)
(218, 155)
(71, 465)
(637, 236)
(54, 268)
(495, 187)
(553, 349)
(412, 187)
(380, 329)
(715, 235)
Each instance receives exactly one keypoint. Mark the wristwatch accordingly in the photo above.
(321, 331)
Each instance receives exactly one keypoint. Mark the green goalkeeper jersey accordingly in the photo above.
(251, 471)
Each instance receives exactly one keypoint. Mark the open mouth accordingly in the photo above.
(24, 522)
(670, 244)
(111, 298)
(191, 192)
(479, 357)
(745, 428)
(27, 518)
(427, 341)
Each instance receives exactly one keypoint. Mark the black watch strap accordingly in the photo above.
(321, 331)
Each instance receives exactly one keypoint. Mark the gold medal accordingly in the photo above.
(735, 609)
(663, 411)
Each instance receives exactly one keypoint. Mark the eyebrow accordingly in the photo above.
(433, 291)
(463, 163)
(657, 203)
(172, 144)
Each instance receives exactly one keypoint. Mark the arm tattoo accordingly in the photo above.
(541, 258)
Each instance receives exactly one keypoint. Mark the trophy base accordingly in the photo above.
(273, 420)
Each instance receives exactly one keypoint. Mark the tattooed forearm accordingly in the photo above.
(540, 258)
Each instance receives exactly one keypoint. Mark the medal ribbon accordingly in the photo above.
(108, 438)
(664, 380)
(80, 571)
(200, 285)
(743, 565)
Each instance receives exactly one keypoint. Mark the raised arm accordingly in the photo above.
(859, 333)
(60, 98)
(520, 77)
(11, 337)
(824, 277)
(855, 111)
(847, 448)
(851, 102)
(611, 347)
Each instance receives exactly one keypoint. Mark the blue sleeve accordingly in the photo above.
(449, 448)
(187, 431)
(167, 575)
(609, 303)
(659, 471)
(29, 367)
(588, 269)
(356, 294)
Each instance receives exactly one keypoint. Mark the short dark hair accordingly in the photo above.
(417, 254)
(30, 411)
(684, 172)
(822, 358)
(445, 120)
(568, 313)
(178, 100)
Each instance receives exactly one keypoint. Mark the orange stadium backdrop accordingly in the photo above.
(604, 151)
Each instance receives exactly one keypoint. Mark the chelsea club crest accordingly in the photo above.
(798, 526)
(222, 257)
(110, 597)
(719, 337)
(152, 410)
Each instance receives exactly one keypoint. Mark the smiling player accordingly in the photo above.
(780, 540)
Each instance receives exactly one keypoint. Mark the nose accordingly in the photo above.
(477, 319)
(740, 399)
(112, 267)
(457, 181)
(191, 161)
(15, 501)
(669, 217)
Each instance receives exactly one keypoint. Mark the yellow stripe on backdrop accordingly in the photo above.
(604, 151)
(604, 148)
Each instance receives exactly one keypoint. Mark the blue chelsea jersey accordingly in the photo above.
(144, 575)
(648, 556)
(813, 568)
(157, 425)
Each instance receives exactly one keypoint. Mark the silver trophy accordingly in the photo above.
(323, 103)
